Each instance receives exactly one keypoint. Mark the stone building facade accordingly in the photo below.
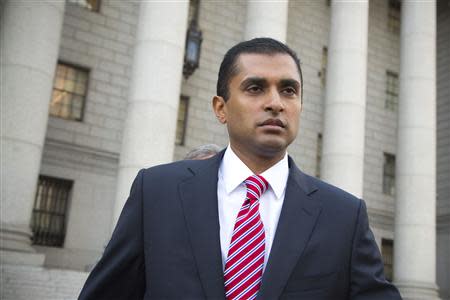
(376, 119)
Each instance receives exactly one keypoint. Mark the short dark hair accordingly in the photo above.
(269, 46)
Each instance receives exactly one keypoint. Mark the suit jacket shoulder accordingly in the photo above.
(178, 171)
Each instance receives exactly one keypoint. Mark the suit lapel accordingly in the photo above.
(199, 201)
(295, 226)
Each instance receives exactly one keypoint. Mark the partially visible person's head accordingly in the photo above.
(229, 65)
(203, 152)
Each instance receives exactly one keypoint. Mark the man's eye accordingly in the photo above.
(254, 89)
(290, 91)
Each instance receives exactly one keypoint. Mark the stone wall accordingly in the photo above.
(87, 152)
(90, 206)
(381, 123)
(102, 43)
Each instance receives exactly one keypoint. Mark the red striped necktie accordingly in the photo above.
(245, 261)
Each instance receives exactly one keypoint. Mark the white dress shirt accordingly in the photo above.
(231, 192)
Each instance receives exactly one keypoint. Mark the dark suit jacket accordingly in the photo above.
(166, 243)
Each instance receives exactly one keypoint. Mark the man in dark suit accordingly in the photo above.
(246, 223)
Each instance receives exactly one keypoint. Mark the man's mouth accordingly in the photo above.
(273, 122)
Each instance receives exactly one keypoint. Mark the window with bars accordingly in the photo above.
(182, 120)
(389, 174)
(394, 16)
(318, 154)
(92, 5)
(69, 92)
(48, 221)
(323, 71)
(391, 101)
(387, 251)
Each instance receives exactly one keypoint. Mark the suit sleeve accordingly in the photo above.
(120, 273)
(367, 275)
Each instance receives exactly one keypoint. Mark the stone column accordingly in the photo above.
(267, 19)
(415, 213)
(150, 125)
(30, 35)
(345, 107)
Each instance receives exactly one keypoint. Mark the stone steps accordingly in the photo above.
(39, 283)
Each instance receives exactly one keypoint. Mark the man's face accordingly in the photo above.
(263, 110)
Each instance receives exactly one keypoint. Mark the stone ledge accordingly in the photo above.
(83, 157)
(82, 149)
(21, 258)
(381, 219)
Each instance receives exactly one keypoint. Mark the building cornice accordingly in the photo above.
(83, 157)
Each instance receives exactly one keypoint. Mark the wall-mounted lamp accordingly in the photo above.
(193, 43)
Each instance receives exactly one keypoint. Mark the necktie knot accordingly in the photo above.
(256, 186)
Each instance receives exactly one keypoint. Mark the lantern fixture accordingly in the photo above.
(193, 44)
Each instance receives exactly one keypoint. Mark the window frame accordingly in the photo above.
(64, 189)
(388, 261)
(83, 106)
(387, 175)
(394, 15)
(319, 148)
(392, 91)
(324, 69)
(184, 126)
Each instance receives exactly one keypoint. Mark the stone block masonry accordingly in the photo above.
(37, 283)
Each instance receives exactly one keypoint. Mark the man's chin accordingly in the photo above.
(272, 148)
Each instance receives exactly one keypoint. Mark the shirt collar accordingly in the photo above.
(233, 172)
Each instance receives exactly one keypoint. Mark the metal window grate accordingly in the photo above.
(387, 251)
(182, 120)
(69, 92)
(323, 72)
(394, 16)
(319, 154)
(389, 174)
(391, 101)
(48, 221)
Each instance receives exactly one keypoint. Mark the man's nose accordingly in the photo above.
(274, 102)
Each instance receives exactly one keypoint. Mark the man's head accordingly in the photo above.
(203, 152)
(268, 46)
(263, 100)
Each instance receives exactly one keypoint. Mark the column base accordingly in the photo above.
(414, 290)
(15, 247)
(21, 258)
(15, 238)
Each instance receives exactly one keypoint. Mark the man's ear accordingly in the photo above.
(219, 107)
